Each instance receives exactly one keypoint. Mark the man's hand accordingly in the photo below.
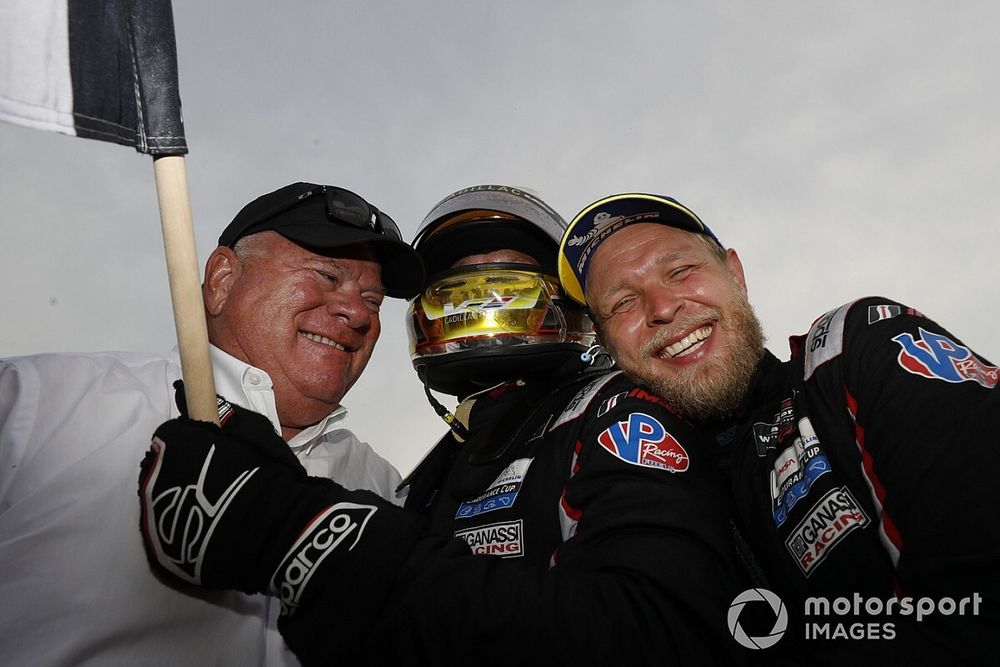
(222, 506)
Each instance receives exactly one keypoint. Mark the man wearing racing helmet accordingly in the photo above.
(588, 527)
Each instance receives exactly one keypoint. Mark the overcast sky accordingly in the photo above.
(843, 148)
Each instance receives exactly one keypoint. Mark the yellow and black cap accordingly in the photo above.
(594, 224)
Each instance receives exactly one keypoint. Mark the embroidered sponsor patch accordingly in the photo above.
(829, 521)
(795, 470)
(883, 312)
(602, 226)
(579, 403)
(785, 465)
(637, 393)
(641, 440)
(888, 311)
(338, 526)
(610, 404)
(938, 357)
(501, 494)
(504, 539)
(225, 409)
(768, 435)
(825, 340)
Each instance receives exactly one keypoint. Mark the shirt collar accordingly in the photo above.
(251, 388)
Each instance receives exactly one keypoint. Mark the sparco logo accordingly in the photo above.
(328, 531)
(780, 618)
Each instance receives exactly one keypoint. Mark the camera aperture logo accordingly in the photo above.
(780, 618)
(851, 618)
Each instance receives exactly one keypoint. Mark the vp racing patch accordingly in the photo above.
(501, 494)
(829, 521)
(938, 357)
(641, 440)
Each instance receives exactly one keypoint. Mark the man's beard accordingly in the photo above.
(714, 388)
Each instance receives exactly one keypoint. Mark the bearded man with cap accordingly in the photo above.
(568, 518)
(292, 296)
(862, 471)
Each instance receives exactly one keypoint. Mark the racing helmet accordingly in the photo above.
(474, 326)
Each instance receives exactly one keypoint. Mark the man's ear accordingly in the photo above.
(221, 271)
(735, 267)
(597, 328)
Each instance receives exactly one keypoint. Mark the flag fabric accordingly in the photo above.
(99, 69)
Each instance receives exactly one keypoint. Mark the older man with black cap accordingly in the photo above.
(863, 470)
(292, 296)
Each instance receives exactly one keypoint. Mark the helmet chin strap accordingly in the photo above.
(457, 427)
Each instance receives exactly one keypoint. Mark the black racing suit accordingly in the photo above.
(602, 535)
(866, 467)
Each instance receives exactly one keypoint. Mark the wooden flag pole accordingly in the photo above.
(185, 288)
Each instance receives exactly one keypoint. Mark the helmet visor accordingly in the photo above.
(491, 305)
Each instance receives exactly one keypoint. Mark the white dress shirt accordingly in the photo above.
(75, 586)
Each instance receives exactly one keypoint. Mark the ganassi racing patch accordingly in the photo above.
(505, 539)
(501, 494)
(939, 357)
(641, 440)
(828, 522)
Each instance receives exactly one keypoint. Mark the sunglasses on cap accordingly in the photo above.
(343, 207)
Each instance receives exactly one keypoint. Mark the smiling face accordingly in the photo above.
(675, 315)
(309, 321)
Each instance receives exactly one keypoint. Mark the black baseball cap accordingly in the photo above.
(322, 217)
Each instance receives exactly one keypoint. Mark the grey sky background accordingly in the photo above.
(844, 149)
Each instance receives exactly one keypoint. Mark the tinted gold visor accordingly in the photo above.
(487, 306)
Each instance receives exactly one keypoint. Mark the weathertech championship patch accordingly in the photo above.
(498, 539)
(828, 522)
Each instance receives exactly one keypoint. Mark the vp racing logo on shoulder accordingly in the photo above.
(641, 440)
(340, 524)
(938, 357)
